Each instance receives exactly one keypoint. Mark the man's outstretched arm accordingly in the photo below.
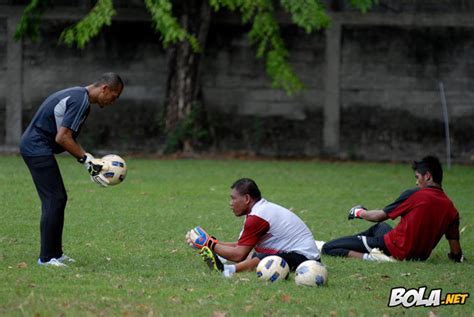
(235, 253)
(375, 215)
(361, 212)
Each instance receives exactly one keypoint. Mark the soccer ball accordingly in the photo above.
(311, 273)
(114, 169)
(272, 268)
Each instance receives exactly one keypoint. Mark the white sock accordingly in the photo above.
(366, 257)
(229, 270)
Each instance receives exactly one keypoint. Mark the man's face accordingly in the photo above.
(108, 95)
(422, 181)
(239, 203)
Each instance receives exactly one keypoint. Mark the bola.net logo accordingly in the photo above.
(415, 297)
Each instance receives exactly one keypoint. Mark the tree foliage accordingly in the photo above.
(264, 33)
(363, 5)
(90, 26)
(167, 25)
(31, 19)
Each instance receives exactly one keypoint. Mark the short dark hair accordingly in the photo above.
(247, 186)
(113, 80)
(429, 164)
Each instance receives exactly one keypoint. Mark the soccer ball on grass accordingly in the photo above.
(311, 273)
(272, 268)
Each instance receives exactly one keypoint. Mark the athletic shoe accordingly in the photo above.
(377, 255)
(65, 259)
(53, 263)
(319, 244)
(211, 259)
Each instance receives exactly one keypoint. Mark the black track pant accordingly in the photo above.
(362, 242)
(50, 187)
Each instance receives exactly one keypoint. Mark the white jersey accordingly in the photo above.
(273, 229)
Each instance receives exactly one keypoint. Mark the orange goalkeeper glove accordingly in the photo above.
(198, 238)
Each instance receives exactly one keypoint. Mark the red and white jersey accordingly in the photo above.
(272, 229)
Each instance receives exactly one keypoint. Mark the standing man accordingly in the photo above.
(54, 129)
(426, 215)
(269, 229)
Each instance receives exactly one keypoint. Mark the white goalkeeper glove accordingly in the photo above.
(94, 167)
(355, 212)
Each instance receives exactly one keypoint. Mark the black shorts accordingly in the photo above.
(292, 258)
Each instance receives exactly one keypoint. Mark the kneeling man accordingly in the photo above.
(269, 229)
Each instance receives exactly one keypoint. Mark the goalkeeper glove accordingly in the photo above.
(94, 167)
(198, 238)
(355, 212)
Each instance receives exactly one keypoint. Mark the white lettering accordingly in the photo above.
(434, 299)
(396, 296)
(414, 293)
(414, 297)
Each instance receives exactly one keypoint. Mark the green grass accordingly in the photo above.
(132, 259)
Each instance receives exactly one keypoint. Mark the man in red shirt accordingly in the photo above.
(426, 215)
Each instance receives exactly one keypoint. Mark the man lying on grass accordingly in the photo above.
(269, 229)
(426, 215)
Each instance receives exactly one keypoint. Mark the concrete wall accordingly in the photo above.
(388, 104)
(391, 101)
(3, 81)
(389, 94)
(130, 49)
(246, 112)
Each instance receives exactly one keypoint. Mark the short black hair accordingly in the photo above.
(113, 80)
(247, 186)
(429, 164)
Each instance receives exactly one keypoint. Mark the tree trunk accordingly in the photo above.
(184, 87)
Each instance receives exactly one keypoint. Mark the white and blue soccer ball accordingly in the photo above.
(311, 273)
(114, 169)
(272, 268)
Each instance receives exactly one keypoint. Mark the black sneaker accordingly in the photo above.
(211, 259)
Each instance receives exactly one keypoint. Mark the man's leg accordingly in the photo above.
(248, 264)
(373, 237)
(212, 260)
(293, 259)
(50, 187)
(370, 243)
(343, 246)
(377, 230)
(358, 246)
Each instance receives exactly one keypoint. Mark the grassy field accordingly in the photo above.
(132, 260)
